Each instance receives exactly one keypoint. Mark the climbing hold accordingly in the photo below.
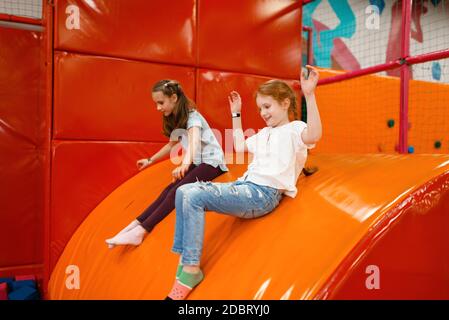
(436, 71)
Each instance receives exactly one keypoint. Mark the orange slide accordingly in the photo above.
(359, 217)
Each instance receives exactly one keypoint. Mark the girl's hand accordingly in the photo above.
(308, 85)
(143, 163)
(235, 102)
(180, 171)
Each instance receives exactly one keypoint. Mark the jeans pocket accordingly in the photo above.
(258, 209)
(272, 202)
(264, 207)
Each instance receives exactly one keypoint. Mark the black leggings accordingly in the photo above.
(165, 203)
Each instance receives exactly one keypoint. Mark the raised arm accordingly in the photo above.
(235, 104)
(313, 132)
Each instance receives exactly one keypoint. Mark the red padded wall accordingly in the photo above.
(100, 98)
(23, 130)
(83, 174)
(154, 30)
(259, 37)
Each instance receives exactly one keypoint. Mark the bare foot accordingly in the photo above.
(133, 237)
(130, 226)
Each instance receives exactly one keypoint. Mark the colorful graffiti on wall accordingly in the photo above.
(343, 41)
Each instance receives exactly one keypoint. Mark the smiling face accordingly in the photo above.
(272, 112)
(164, 104)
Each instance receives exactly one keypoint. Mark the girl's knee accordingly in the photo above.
(179, 192)
(186, 189)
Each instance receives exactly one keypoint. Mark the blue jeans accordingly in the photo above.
(242, 199)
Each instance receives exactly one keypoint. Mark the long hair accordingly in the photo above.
(178, 118)
(279, 91)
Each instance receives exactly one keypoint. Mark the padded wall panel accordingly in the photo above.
(21, 204)
(259, 37)
(140, 29)
(83, 174)
(23, 130)
(98, 98)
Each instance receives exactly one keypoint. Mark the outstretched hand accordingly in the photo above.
(308, 85)
(143, 163)
(235, 102)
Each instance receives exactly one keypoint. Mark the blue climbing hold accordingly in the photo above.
(436, 70)
(411, 149)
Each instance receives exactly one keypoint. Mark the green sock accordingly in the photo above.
(178, 271)
(191, 280)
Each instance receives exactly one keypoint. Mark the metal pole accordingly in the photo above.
(405, 75)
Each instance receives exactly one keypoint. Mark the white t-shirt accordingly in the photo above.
(279, 157)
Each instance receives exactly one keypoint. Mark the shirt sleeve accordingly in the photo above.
(299, 127)
(194, 120)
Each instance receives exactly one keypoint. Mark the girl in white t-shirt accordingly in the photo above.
(279, 154)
